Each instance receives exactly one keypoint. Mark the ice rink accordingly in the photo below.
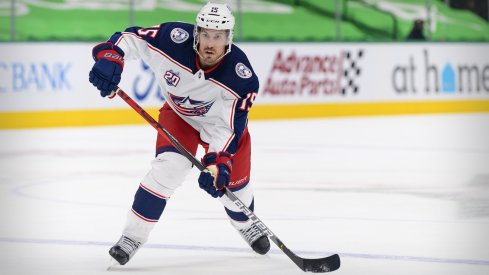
(391, 195)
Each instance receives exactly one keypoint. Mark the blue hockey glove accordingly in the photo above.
(218, 173)
(107, 70)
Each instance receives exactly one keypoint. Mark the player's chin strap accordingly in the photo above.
(320, 265)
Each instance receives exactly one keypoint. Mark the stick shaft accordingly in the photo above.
(162, 131)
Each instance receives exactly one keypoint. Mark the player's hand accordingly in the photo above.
(107, 70)
(217, 173)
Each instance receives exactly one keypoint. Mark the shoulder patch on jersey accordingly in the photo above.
(243, 71)
(179, 35)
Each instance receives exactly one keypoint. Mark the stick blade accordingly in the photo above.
(321, 265)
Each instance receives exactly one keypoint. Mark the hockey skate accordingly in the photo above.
(124, 249)
(255, 238)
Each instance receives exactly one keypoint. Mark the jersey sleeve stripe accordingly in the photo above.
(129, 33)
(228, 142)
(224, 87)
(231, 122)
(118, 40)
(231, 125)
(169, 58)
(155, 49)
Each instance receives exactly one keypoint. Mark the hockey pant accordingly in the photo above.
(168, 171)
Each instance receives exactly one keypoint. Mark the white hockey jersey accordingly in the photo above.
(215, 101)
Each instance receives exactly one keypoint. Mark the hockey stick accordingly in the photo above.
(320, 265)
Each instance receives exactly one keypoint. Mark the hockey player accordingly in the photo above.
(209, 87)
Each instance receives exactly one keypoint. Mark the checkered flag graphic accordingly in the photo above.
(351, 71)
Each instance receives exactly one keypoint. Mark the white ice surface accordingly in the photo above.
(391, 195)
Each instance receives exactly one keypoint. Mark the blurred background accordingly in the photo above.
(257, 20)
(379, 109)
(326, 57)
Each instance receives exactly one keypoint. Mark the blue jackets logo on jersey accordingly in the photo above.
(243, 71)
(179, 35)
(190, 107)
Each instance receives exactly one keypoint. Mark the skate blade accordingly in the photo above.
(112, 263)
